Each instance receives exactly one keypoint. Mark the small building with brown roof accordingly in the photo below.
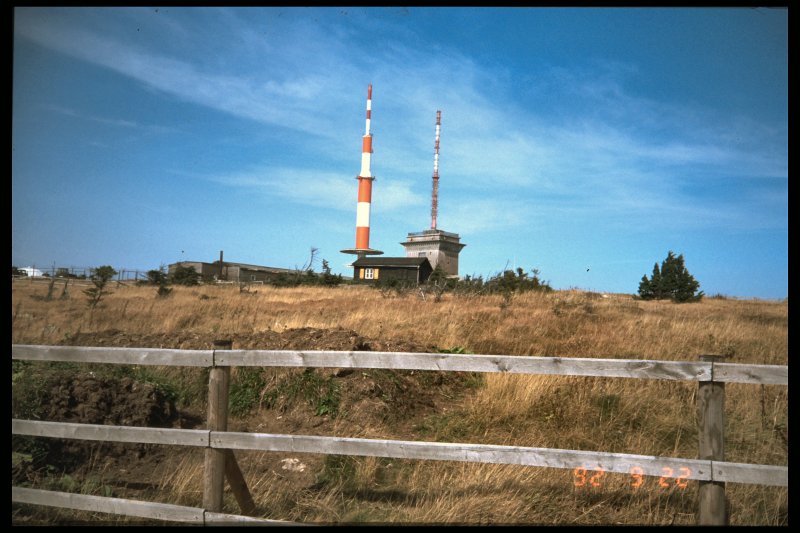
(385, 269)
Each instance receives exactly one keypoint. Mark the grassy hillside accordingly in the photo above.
(615, 415)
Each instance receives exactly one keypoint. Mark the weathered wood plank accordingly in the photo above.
(214, 463)
(763, 374)
(84, 502)
(238, 484)
(222, 519)
(775, 476)
(480, 453)
(554, 458)
(711, 446)
(128, 356)
(565, 366)
(68, 430)
(157, 511)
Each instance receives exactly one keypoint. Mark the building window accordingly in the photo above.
(368, 273)
(253, 277)
(420, 254)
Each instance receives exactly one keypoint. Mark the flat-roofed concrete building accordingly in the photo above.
(226, 271)
(439, 247)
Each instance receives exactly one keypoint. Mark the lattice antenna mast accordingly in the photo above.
(435, 194)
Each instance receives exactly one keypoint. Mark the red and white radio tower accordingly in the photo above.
(435, 195)
(364, 191)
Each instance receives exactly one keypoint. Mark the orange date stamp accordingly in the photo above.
(584, 477)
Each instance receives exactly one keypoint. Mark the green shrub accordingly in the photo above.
(248, 390)
(185, 275)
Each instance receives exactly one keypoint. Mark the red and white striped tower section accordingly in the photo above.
(365, 179)
(435, 195)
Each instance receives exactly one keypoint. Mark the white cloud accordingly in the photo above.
(320, 188)
(109, 121)
(481, 215)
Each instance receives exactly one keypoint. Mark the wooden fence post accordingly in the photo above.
(238, 485)
(214, 467)
(711, 418)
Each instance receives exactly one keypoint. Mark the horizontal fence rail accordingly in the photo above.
(220, 463)
(512, 364)
(701, 470)
(123, 356)
(153, 510)
(760, 374)
(142, 435)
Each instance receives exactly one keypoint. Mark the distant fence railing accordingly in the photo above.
(78, 273)
(709, 468)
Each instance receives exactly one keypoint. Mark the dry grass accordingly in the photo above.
(566, 323)
(616, 415)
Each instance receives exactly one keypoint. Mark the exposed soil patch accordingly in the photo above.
(87, 399)
(291, 339)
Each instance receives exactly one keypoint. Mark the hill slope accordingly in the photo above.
(616, 415)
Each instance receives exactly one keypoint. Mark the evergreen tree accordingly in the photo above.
(645, 288)
(329, 279)
(685, 284)
(438, 276)
(157, 277)
(656, 287)
(100, 277)
(670, 272)
(185, 275)
(671, 281)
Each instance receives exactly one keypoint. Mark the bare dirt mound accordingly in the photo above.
(371, 396)
(87, 399)
(291, 339)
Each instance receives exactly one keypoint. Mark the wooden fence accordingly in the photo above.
(709, 468)
(60, 282)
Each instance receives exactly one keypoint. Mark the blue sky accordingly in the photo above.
(585, 143)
